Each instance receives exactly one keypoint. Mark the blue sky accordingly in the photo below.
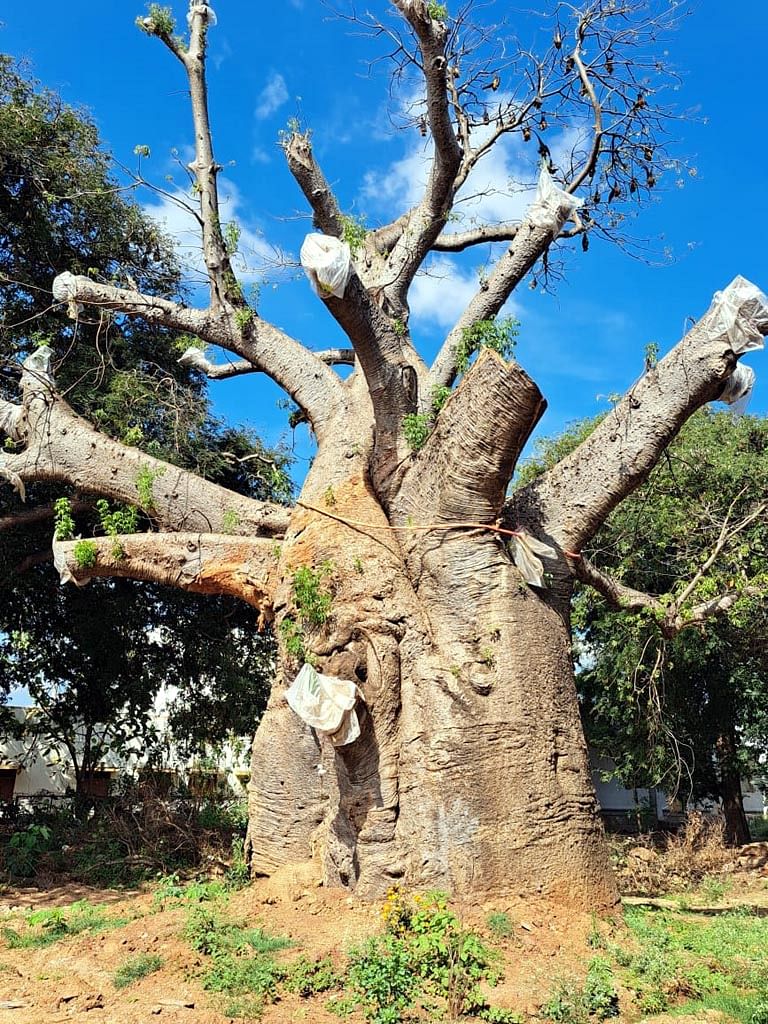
(271, 62)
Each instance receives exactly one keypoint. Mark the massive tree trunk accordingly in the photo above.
(471, 770)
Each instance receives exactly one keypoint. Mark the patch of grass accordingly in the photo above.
(500, 924)
(241, 966)
(694, 963)
(44, 927)
(135, 968)
(307, 977)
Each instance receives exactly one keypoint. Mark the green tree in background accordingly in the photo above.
(688, 711)
(96, 657)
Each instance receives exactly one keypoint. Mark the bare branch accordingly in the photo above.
(60, 446)
(457, 241)
(204, 563)
(577, 495)
(195, 358)
(671, 618)
(312, 385)
(41, 514)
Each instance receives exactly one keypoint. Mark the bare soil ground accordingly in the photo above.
(72, 980)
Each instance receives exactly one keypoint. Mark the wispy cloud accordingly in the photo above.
(441, 292)
(272, 96)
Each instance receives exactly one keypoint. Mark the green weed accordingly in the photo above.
(44, 927)
(135, 968)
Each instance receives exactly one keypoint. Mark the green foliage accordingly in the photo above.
(354, 233)
(44, 927)
(145, 482)
(63, 522)
(135, 968)
(651, 355)
(498, 335)
(311, 599)
(693, 965)
(230, 521)
(231, 234)
(159, 21)
(416, 429)
(85, 552)
(307, 977)
(597, 999)
(292, 636)
(500, 924)
(437, 11)
(426, 956)
(115, 521)
(648, 699)
(24, 850)
(241, 963)
(244, 317)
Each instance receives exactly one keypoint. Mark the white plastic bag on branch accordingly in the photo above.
(525, 550)
(205, 9)
(36, 377)
(553, 206)
(327, 704)
(738, 388)
(60, 564)
(741, 312)
(65, 290)
(327, 262)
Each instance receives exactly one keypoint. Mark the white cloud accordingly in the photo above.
(441, 292)
(272, 96)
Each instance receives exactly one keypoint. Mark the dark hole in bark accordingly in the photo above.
(361, 672)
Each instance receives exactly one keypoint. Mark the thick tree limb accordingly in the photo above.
(425, 222)
(311, 384)
(530, 241)
(463, 470)
(60, 446)
(458, 241)
(575, 497)
(204, 563)
(313, 183)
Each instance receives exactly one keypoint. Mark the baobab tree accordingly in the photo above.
(405, 568)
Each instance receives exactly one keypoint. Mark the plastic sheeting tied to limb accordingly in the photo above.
(738, 389)
(201, 8)
(326, 704)
(552, 206)
(327, 262)
(740, 312)
(525, 552)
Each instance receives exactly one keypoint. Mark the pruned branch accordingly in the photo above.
(311, 384)
(60, 446)
(313, 183)
(463, 470)
(204, 563)
(576, 496)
